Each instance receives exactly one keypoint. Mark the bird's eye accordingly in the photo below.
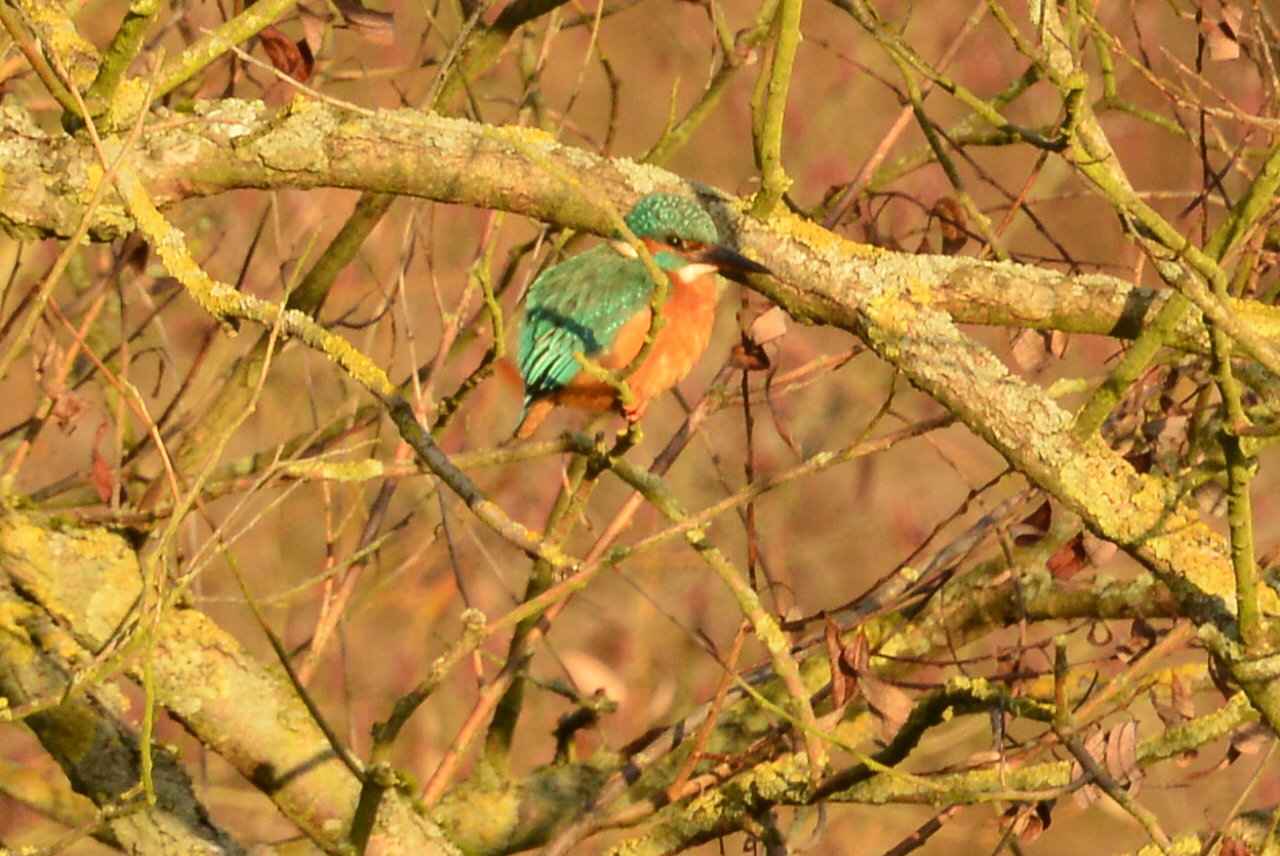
(675, 242)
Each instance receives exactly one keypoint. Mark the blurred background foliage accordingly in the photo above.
(652, 634)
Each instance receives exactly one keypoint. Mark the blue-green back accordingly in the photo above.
(577, 306)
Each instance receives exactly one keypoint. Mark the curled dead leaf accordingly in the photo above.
(1032, 528)
(768, 326)
(1027, 822)
(953, 223)
(1069, 559)
(1249, 740)
(1179, 709)
(889, 705)
(1031, 349)
(288, 57)
(841, 685)
(135, 251)
(1122, 755)
(67, 407)
(376, 28)
(1094, 744)
(1142, 637)
(101, 473)
(1222, 32)
(760, 337)
(591, 675)
(314, 25)
(1232, 846)
(1099, 550)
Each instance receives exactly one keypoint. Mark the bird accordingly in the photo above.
(598, 304)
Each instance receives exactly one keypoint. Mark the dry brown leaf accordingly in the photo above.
(591, 675)
(1222, 34)
(1056, 341)
(761, 333)
(760, 337)
(1099, 550)
(856, 656)
(104, 482)
(953, 223)
(288, 57)
(67, 407)
(1142, 637)
(1087, 796)
(376, 28)
(1234, 847)
(1182, 698)
(841, 686)
(1069, 559)
(1249, 740)
(1030, 350)
(1233, 18)
(135, 251)
(890, 705)
(1122, 755)
(1032, 528)
(1168, 713)
(1180, 709)
(1093, 745)
(163, 285)
(769, 326)
(314, 25)
(1141, 461)
(1167, 431)
(1027, 822)
(1222, 44)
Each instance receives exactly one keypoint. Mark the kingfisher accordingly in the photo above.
(598, 304)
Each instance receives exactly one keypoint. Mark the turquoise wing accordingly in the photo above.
(577, 306)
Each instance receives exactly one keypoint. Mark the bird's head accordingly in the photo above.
(683, 239)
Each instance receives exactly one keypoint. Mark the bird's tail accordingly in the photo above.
(532, 416)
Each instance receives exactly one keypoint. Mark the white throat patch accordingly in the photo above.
(693, 271)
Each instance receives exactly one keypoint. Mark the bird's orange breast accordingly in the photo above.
(690, 312)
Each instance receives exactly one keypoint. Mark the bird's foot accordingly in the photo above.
(635, 411)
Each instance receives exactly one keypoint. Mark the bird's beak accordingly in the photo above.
(732, 265)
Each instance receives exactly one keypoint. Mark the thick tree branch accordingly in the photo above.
(896, 302)
(231, 145)
(89, 581)
(82, 730)
(903, 306)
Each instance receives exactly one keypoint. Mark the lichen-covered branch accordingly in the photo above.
(897, 303)
(233, 144)
(41, 598)
(89, 580)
